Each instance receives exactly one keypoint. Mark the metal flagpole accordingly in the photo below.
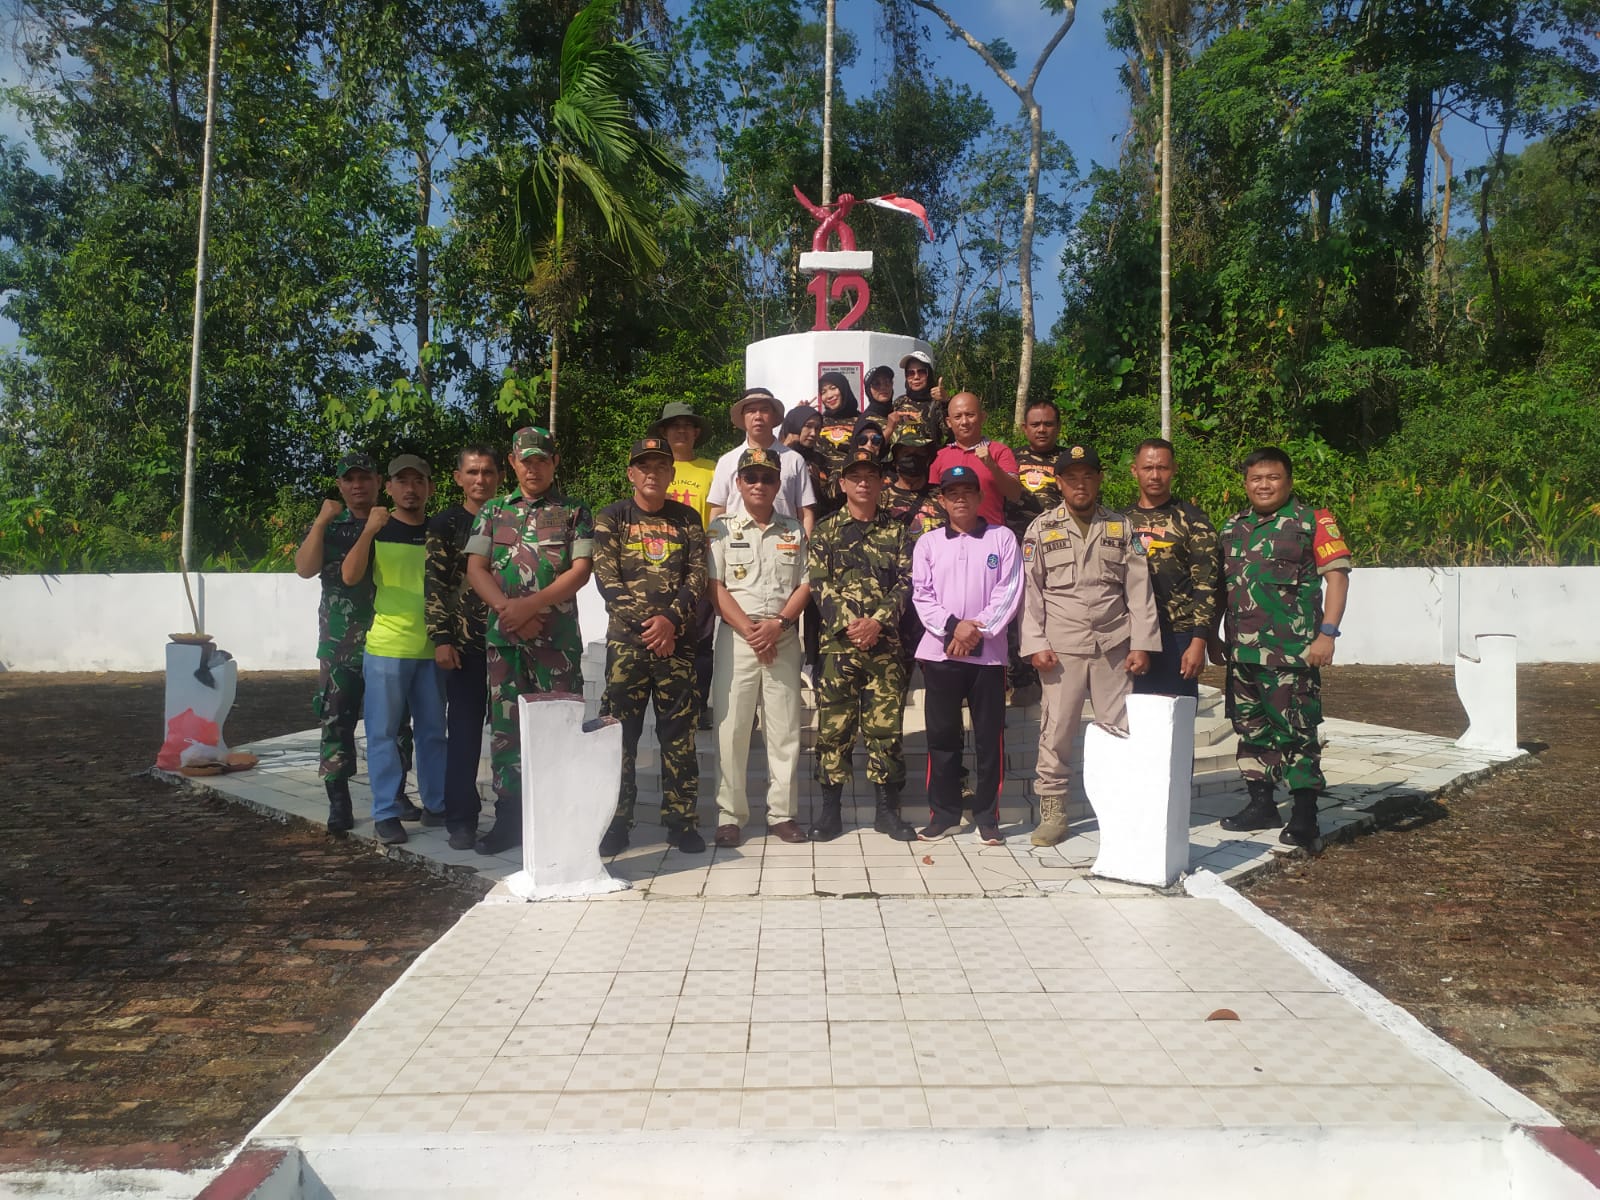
(186, 547)
(827, 111)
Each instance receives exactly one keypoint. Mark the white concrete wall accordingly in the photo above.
(269, 622)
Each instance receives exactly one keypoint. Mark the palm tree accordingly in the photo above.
(602, 170)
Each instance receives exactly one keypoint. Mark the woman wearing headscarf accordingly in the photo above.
(869, 433)
(837, 401)
(879, 385)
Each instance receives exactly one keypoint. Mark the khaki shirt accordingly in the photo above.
(1083, 596)
(760, 567)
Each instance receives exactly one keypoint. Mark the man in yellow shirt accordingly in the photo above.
(683, 430)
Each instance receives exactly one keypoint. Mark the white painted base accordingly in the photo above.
(788, 366)
(1139, 787)
(569, 793)
(858, 261)
(1487, 686)
(194, 714)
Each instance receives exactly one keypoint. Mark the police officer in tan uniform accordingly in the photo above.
(1089, 623)
(760, 587)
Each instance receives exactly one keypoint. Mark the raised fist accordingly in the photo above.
(377, 518)
(330, 511)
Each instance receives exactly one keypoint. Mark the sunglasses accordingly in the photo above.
(769, 478)
(872, 437)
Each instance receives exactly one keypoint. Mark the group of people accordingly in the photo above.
(928, 546)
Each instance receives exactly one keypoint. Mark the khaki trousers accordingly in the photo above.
(739, 685)
(1065, 688)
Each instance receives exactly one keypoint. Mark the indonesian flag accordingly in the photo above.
(901, 204)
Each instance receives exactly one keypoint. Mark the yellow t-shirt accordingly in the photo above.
(691, 485)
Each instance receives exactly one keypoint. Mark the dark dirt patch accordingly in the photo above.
(170, 964)
(1478, 911)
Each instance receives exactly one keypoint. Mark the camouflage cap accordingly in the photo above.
(911, 435)
(355, 461)
(754, 456)
(531, 440)
(1077, 456)
(861, 456)
(650, 447)
(409, 462)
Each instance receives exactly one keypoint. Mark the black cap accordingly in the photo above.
(858, 456)
(1077, 456)
(650, 447)
(959, 474)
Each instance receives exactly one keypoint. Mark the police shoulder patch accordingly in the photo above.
(1028, 548)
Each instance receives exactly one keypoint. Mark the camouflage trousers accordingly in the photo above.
(865, 690)
(636, 678)
(516, 671)
(338, 705)
(1276, 712)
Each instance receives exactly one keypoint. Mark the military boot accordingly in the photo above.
(829, 823)
(1302, 828)
(341, 817)
(887, 819)
(1260, 813)
(1052, 830)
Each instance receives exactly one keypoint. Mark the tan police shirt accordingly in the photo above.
(760, 567)
(1083, 594)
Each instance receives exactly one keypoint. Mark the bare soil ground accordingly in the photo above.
(171, 965)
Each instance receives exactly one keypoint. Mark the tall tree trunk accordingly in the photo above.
(1490, 261)
(1166, 237)
(1441, 232)
(1024, 93)
(422, 315)
(555, 370)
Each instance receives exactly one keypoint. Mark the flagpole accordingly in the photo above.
(827, 110)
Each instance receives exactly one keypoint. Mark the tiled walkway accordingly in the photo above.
(816, 1014)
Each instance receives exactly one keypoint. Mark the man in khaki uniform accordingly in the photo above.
(759, 585)
(1089, 623)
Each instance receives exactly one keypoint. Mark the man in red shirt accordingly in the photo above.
(994, 464)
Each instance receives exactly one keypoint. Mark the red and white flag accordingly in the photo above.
(901, 204)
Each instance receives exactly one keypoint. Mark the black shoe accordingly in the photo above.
(499, 839)
(887, 819)
(464, 837)
(938, 828)
(687, 841)
(829, 823)
(431, 819)
(615, 840)
(341, 817)
(408, 810)
(1260, 813)
(390, 832)
(1302, 828)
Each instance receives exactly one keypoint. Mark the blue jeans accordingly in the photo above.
(393, 686)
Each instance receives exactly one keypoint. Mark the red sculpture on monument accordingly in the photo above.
(853, 264)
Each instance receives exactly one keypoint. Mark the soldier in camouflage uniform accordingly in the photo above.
(1036, 472)
(1287, 570)
(650, 565)
(343, 618)
(1180, 545)
(529, 555)
(860, 565)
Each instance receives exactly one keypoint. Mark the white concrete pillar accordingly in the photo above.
(1487, 686)
(201, 683)
(1139, 787)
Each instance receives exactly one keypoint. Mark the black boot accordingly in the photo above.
(1302, 829)
(1260, 813)
(887, 819)
(341, 817)
(829, 823)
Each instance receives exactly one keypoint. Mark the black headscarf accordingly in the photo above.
(848, 409)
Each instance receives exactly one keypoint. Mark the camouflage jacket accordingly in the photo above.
(455, 614)
(1037, 474)
(1273, 566)
(529, 545)
(928, 415)
(917, 511)
(1180, 545)
(345, 614)
(860, 569)
(648, 565)
(832, 448)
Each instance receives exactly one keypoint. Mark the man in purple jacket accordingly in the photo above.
(966, 583)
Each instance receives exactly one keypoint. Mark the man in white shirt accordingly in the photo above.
(758, 412)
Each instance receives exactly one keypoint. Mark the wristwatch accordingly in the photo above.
(787, 623)
(1330, 630)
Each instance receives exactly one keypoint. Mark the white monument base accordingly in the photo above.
(1139, 787)
(569, 793)
(1487, 686)
(788, 366)
(201, 683)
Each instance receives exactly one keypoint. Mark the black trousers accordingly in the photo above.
(983, 689)
(1163, 678)
(466, 704)
(705, 624)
